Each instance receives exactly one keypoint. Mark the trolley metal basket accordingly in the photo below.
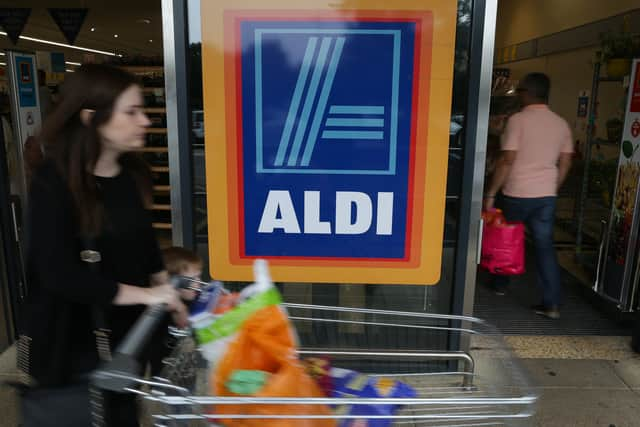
(485, 386)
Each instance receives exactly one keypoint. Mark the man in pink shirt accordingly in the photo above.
(537, 147)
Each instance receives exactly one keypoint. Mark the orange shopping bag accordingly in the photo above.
(266, 342)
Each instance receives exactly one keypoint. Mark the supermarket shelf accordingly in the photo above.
(155, 110)
(153, 150)
(157, 130)
(162, 225)
(158, 148)
(143, 68)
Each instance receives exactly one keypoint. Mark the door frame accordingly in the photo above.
(477, 129)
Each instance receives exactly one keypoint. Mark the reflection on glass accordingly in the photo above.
(461, 62)
(195, 29)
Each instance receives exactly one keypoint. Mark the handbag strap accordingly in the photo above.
(92, 257)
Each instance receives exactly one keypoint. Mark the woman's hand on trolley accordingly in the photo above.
(167, 294)
(160, 294)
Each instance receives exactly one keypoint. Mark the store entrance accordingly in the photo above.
(597, 255)
(41, 43)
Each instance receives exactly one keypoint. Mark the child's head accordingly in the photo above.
(183, 262)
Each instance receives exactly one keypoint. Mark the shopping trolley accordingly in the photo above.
(485, 386)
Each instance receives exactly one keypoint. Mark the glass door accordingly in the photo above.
(11, 277)
(453, 293)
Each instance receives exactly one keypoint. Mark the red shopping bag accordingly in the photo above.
(502, 245)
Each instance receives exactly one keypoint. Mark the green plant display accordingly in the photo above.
(628, 150)
(619, 44)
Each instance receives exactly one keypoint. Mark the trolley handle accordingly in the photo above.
(121, 372)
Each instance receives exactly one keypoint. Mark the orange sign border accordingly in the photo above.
(227, 263)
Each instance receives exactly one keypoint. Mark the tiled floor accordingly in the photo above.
(572, 347)
(8, 398)
(589, 393)
(581, 379)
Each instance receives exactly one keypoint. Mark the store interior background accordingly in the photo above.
(132, 39)
(129, 34)
(138, 26)
(563, 40)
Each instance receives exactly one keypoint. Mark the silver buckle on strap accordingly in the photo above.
(90, 256)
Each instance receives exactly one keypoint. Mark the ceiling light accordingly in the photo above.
(150, 41)
(1, 53)
(77, 64)
(85, 49)
(69, 71)
(115, 35)
(93, 29)
(144, 21)
(3, 64)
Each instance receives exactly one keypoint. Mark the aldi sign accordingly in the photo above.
(325, 165)
(322, 156)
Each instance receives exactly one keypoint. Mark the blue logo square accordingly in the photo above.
(327, 112)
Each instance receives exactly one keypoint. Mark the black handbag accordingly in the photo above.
(72, 405)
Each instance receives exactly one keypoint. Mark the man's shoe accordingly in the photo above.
(551, 313)
(498, 290)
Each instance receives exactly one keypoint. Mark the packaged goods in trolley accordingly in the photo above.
(251, 360)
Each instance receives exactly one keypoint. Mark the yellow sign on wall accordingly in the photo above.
(327, 138)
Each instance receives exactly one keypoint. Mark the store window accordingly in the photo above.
(430, 299)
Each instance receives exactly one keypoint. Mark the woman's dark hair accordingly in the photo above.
(75, 147)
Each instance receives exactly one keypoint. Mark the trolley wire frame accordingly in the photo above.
(462, 396)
